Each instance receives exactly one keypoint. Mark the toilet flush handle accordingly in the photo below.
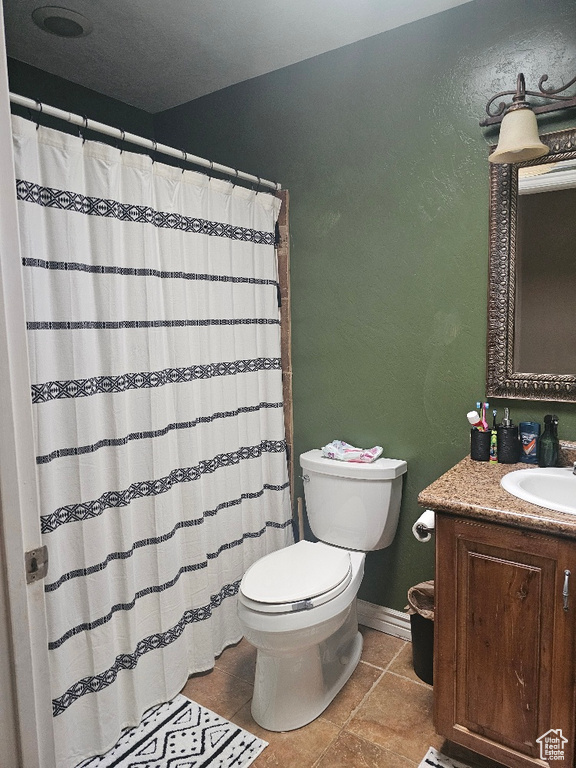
(305, 478)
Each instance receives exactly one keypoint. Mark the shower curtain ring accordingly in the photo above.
(39, 105)
(235, 179)
(82, 131)
(123, 132)
(184, 158)
(211, 171)
(154, 152)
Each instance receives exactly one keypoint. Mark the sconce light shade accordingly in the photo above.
(519, 138)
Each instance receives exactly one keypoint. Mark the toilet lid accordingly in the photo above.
(297, 577)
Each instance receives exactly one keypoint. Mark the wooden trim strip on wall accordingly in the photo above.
(283, 256)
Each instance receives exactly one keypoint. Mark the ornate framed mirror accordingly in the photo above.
(531, 345)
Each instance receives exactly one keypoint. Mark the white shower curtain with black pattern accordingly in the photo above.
(154, 347)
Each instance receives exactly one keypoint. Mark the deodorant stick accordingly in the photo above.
(529, 434)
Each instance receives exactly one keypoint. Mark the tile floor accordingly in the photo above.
(382, 718)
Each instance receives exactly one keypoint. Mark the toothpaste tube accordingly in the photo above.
(475, 419)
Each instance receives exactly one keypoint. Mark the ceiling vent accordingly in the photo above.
(61, 21)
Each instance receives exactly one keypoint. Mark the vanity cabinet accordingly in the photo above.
(504, 664)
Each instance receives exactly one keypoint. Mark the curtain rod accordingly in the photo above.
(93, 125)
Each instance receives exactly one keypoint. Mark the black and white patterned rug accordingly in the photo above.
(181, 734)
(435, 759)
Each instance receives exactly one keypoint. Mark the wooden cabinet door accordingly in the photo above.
(504, 644)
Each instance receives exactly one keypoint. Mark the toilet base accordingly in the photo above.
(291, 690)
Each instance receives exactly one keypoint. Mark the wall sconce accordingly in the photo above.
(519, 138)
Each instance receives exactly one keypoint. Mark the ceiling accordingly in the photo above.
(156, 54)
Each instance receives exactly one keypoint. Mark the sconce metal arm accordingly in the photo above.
(518, 96)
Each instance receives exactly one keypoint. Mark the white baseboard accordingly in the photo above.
(395, 623)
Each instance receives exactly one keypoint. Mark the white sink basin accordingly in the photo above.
(549, 487)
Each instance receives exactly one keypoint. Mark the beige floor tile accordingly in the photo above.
(402, 664)
(379, 649)
(362, 679)
(378, 720)
(349, 751)
(397, 715)
(238, 660)
(218, 691)
(294, 749)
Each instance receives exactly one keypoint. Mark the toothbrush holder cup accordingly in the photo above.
(480, 444)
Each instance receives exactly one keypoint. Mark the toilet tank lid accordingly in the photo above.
(381, 469)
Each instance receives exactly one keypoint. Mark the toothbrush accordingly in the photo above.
(481, 406)
(494, 438)
(485, 407)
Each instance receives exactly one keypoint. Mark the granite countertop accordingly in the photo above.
(472, 489)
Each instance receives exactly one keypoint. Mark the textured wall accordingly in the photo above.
(380, 147)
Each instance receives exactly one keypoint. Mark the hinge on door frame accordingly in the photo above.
(36, 564)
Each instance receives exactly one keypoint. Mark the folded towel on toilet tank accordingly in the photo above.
(342, 451)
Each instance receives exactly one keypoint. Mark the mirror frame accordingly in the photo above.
(501, 378)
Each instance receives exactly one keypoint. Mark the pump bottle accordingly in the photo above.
(508, 440)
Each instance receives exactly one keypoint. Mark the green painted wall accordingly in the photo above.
(380, 147)
(51, 89)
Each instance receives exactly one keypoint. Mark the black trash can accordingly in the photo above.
(421, 609)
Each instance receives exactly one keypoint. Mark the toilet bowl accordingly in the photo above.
(297, 606)
(308, 646)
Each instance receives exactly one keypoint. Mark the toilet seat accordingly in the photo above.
(297, 578)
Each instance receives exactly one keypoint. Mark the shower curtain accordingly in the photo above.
(154, 348)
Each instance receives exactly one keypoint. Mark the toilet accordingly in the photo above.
(297, 605)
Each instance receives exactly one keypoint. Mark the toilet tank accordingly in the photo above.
(352, 505)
